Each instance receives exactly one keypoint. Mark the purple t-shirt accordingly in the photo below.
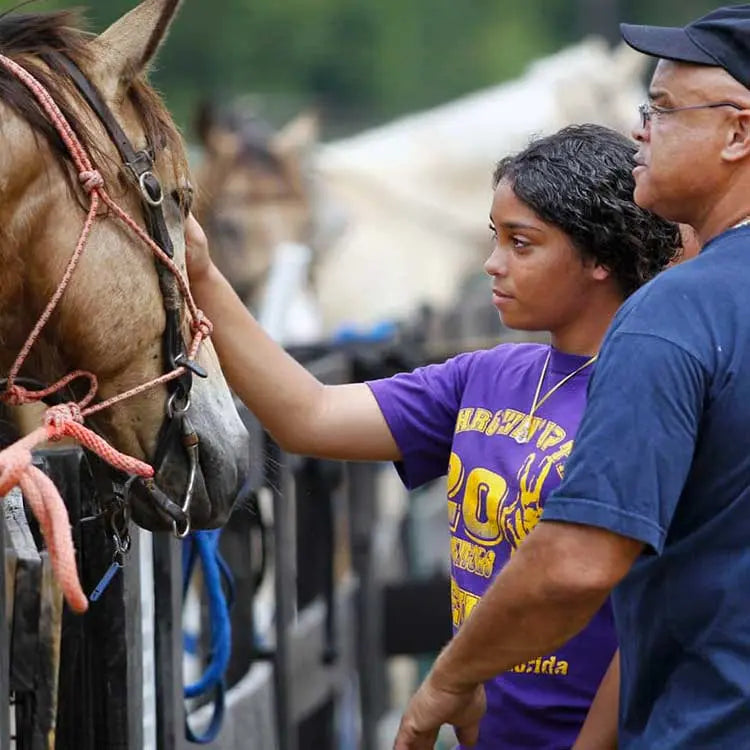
(460, 419)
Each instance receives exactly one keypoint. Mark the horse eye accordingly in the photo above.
(183, 197)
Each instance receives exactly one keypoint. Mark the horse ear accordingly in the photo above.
(297, 138)
(125, 49)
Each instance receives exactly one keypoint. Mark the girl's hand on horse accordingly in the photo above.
(197, 257)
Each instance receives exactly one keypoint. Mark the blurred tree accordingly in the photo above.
(361, 61)
(600, 17)
(604, 16)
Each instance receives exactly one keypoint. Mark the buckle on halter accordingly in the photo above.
(181, 360)
(151, 189)
(178, 403)
(142, 161)
(141, 167)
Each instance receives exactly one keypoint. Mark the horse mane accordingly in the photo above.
(34, 40)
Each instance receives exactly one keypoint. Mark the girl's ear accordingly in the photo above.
(600, 272)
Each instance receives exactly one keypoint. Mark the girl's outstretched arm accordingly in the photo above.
(302, 414)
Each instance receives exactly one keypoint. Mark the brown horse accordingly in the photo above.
(111, 318)
(255, 192)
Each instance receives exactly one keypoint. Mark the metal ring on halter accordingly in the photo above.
(178, 410)
(120, 531)
(121, 546)
(191, 443)
(144, 189)
(181, 534)
(148, 491)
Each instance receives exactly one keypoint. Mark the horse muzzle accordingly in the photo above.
(194, 488)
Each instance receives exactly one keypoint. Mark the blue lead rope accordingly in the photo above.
(204, 546)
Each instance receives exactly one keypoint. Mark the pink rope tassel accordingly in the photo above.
(47, 506)
(16, 469)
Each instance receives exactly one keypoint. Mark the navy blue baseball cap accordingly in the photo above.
(721, 38)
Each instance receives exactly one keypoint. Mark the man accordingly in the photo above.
(656, 497)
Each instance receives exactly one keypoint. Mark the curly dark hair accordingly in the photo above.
(580, 180)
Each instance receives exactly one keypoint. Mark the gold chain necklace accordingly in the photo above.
(523, 433)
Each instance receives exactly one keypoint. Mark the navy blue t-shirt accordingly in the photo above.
(663, 456)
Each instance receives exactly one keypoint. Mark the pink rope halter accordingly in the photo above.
(67, 420)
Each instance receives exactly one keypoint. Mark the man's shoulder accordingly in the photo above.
(690, 298)
(737, 238)
(677, 308)
(676, 280)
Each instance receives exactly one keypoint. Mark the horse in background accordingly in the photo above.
(111, 319)
(260, 211)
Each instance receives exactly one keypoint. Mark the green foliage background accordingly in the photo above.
(365, 61)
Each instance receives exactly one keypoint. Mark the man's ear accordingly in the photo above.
(737, 146)
(125, 49)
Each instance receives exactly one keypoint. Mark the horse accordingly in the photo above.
(256, 202)
(115, 187)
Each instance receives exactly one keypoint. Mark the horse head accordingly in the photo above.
(114, 314)
(254, 191)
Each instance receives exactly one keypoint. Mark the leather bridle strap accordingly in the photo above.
(175, 425)
(140, 164)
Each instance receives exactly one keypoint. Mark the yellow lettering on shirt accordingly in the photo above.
(540, 665)
(494, 425)
(455, 483)
(508, 422)
(462, 602)
(464, 419)
(511, 419)
(480, 421)
(484, 495)
(550, 436)
(492, 509)
(472, 557)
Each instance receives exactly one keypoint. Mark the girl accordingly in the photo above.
(569, 246)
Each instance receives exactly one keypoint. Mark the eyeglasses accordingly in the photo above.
(647, 111)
